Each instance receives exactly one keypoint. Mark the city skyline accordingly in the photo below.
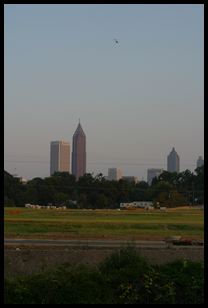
(115, 173)
(106, 171)
(136, 99)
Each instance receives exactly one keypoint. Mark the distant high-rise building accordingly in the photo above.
(152, 173)
(114, 174)
(79, 152)
(200, 162)
(173, 161)
(59, 157)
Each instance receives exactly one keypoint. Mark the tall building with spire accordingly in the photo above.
(79, 152)
(173, 161)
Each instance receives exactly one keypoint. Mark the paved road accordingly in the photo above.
(93, 243)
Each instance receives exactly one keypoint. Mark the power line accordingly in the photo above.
(27, 161)
(99, 163)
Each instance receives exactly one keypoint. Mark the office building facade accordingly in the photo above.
(79, 152)
(59, 157)
(152, 173)
(114, 174)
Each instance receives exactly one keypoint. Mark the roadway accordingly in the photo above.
(95, 243)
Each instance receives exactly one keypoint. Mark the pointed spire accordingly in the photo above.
(79, 130)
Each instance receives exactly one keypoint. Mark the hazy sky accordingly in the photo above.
(136, 99)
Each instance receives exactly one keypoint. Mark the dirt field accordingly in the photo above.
(26, 260)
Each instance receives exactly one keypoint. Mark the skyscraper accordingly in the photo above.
(173, 161)
(200, 162)
(59, 156)
(152, 173)
(79, 152)
(114, 174)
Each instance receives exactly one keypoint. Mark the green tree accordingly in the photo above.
(13, 190)
(198, 185)
(161, 189)
(102, 201)
(60, 198)
(139, 191)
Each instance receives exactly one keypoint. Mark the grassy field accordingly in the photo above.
(124, 224)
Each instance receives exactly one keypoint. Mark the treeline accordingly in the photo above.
(123, 278)
(169, 189)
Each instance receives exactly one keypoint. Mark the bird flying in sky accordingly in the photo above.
(116, 41)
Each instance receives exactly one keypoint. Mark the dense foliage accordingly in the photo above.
(123, 278)
(169, 189)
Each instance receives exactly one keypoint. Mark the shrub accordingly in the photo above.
(124, 269)
(78, 285)
(188, 278)
(123, 278)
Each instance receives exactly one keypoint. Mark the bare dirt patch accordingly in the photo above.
(24, 260)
